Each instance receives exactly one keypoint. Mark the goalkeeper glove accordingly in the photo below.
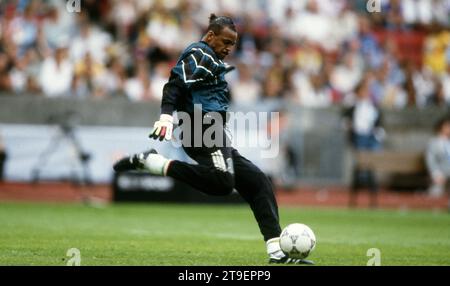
(163, 128)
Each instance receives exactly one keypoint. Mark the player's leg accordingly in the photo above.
(256, 188)
(213, 175)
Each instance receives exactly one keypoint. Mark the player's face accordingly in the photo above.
(223, 43)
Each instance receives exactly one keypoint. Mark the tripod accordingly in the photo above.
(67, 131)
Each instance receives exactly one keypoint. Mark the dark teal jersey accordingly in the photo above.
(197, 78)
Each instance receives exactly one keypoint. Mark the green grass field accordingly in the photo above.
(159, 234)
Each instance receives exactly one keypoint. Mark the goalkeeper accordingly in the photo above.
(199, 79)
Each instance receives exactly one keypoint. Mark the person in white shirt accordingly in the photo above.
(246, 90)
(56, 74)
(438, 158)
(363, 120)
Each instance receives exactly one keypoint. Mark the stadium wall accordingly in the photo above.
(109, 128)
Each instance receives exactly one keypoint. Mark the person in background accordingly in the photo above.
(438, 158)
(3, 157)
(57, 66)
(364, 124)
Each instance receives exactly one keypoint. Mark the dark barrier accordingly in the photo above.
(143, 187)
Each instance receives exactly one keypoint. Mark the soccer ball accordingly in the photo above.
(297, 240)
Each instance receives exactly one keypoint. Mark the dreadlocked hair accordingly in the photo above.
(217, 23)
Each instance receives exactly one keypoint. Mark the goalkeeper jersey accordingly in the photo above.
(197, 78)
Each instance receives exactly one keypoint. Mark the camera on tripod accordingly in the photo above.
(67, 122)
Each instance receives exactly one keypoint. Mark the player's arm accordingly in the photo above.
(199, 67)
(196, 68)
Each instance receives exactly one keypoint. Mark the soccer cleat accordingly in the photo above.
(132, 163)
(150, 161)
(287, 260)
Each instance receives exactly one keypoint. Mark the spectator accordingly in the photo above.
(281, 39)
(89, 76)
(57, 27)
(159, 77)
(162, 22)
(363, 121)
(137, 87)
(191, 33)
(345, 76)
(311, 90)
(3, 157)
(274, 82)
(18, 76)
(24, 29)
(425, 87)
(308, 58)
(369, 48)
(90, 40)
(438, 158)
(57, 74)
(246, 90)
(435, 57)
(445, 82)
(314, 26)
(114, 77)
(388, 93)
(124, 15)
(345, 26)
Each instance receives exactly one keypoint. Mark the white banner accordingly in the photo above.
(53, 153)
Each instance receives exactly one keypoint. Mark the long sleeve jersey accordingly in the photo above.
(197, 78)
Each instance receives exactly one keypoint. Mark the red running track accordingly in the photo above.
(304, 196)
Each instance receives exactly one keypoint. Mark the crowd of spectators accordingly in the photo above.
(311, 52)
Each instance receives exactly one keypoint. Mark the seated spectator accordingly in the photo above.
(388, 93)
(315, 26)
(445, 81)
(57, 74)
(114, 78)
(246, 90)
(345, 76)
(435, 52)
(92, 40)
(274, 82)
(158, 78)
(89, 76)
(312, 91)
(24, 29)
(283, 41)
(138, 87)
(438, 158)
